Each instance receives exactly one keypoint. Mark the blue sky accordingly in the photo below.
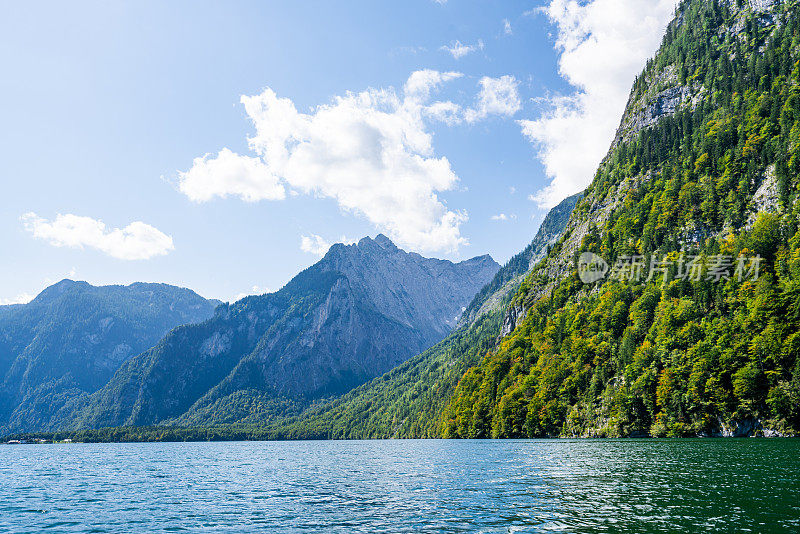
(125, 157)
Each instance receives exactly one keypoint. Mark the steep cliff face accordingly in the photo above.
(72, 338)
(355, 314)
(560, 260)
(433, 310)
(704, 169)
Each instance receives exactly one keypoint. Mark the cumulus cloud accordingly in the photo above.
(603, 44)
(137, 241)
(317, 245)
(447, 112)
(498, 96)
(422, 83)
(503, 217)
(314, 244)
(229, 173)
(371, 151)
(457, 49)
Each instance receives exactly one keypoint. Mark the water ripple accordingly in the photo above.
(404, 486)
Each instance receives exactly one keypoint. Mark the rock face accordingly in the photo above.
(388, 305)
(664, 96)
(377, 268)
(71, 339)
(765, 199)
(585, 215)
(355, 314)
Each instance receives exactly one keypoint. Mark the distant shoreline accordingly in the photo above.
(200, 435)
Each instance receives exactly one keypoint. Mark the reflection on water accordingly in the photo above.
(404, 486)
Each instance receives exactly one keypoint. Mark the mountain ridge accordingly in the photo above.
(408, 401)
(335, 325)
(72, 336)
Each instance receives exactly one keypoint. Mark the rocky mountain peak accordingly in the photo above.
(379, 244)
(384, 242)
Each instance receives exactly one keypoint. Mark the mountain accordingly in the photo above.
(705, 163)
(408, 401)
(699, 188)
(354, 315)
(73, 336)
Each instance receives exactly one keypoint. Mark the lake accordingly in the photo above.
(404, 486)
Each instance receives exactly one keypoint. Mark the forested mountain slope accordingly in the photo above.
(701, 179)
(73, 336)
(355, 314)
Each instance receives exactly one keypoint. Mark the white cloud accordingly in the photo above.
(371, 151)
(137, 241)
(22, 298)
(512, 190)
(314, 244)
(603, 44)
(503, 217)
(318, 245)
(230, 174)
(498, 96)
(507, 27)
(447, 112)
(457, 49)
(421, 83)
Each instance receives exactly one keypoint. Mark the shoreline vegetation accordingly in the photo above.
(161, 434)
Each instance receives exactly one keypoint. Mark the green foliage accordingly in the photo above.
(165, 381)
(671, 357)
(551, 228)
(406, 402)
